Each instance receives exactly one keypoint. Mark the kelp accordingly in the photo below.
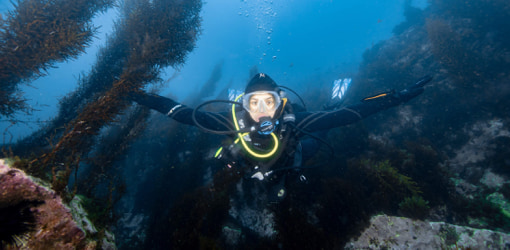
(144, 39)
(390, 182)
(110, 63)
(36, 35)
(112, 146)
(197, 217)
(157, 34)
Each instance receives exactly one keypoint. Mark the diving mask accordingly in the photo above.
(261, 101)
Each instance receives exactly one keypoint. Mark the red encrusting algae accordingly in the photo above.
(53, 227)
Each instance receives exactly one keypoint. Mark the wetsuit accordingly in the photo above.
(308, 121)
(311, 122)
(285, 143)
(293, 150)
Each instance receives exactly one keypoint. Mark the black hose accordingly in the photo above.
(315, 137)
(301, 99)
(218, 132)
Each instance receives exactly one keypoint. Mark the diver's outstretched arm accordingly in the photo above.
(368, 106)
(159, 103)
(182, 113)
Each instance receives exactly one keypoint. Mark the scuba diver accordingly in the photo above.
(268, 136)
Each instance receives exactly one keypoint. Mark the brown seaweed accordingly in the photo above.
(36, 35)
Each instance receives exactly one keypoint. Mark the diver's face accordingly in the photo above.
(262, 105)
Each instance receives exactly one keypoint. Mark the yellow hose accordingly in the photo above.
(243, 142)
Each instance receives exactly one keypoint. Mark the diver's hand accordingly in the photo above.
(153, 101)
(393, 98)
(413, 90)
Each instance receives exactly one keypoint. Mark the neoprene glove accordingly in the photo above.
(394, 98)
(153, 101)
(413, 90)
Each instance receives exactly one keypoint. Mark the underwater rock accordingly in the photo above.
(80, 215)
(51, 224)
(465, 188)
(232, 235)
(477, 148)
(493, 180)
(133, 225)
(474, 162)
(81, 218)
(390, 232)
(254, 217)
(251, 212)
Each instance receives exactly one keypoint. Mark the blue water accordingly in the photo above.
(448, 147)
(293, 41)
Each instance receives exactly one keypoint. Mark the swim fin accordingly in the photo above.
(338, 93)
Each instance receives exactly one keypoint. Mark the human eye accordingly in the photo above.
(269, 101)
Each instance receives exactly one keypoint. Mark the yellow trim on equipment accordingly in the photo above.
(283, 105)
(218, 152)
(243, 142)
(377, 96)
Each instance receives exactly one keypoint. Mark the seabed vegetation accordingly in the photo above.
(402, 162)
